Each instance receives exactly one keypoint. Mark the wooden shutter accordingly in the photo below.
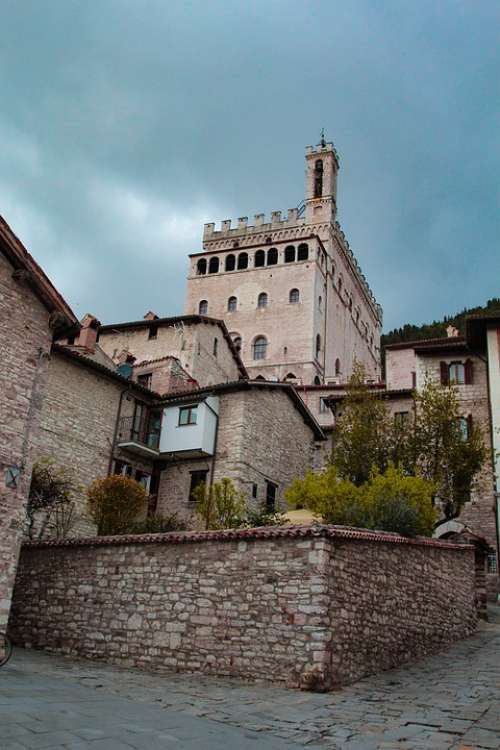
(445, 373)
(468, 372)
(469, 425)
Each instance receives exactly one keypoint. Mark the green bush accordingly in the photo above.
(157, 524)
(325, 494)
(220, 505)
(396, 502)
(114, 503)
(261, 516)
(388, 501)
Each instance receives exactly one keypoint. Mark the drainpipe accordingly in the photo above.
(216, 437)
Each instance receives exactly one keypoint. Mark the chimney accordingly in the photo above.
(88, 332)
(151, 316)
(452, 332)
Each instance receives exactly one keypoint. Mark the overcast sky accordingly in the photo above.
(125, 125)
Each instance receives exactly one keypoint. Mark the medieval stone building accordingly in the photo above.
(290, 290)
(32, 313)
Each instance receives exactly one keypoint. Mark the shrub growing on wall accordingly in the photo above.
(114, 503)
(157, 524)
(220, 505)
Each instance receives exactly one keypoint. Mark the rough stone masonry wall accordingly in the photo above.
(25, 340)
(261, 436)
(77, 425)
(309, 607)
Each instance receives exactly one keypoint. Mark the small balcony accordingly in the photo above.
(140, 435)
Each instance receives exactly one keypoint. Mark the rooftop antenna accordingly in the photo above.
(323, 142)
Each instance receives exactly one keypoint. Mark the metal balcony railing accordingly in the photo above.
(143, 431)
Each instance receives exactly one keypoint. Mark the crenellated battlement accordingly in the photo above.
(260, 224)
(323, 148)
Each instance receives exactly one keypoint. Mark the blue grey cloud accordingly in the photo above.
(126, 125)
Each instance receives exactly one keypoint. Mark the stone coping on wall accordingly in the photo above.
(232, 535)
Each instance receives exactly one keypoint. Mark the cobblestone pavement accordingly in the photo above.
(444, 702)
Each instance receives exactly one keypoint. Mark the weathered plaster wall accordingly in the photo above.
(25, 340)
(399, 366)
(310, 608)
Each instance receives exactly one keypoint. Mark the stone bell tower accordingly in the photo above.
(322, 166)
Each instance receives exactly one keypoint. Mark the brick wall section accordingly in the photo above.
(77, 426)
(25, 340)
(285, 605)
(261, 437)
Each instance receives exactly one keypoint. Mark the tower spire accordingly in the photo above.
(322, 141)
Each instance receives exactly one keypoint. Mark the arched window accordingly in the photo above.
(201, 267)
(230, 262)
(317, 381)
(289, 254)
(213, 266)
(260, 377)
(337, 366)
(318, 345)
(242, 261)
(303, 251)
(260, 347)
(236, 341)
(294, 296)
(318, 179)
(262, 300)
(272, 256)
(203, 307)
(232, 304)
(260, 259)
(290, 376)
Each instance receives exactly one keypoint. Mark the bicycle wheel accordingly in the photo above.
(5, 649)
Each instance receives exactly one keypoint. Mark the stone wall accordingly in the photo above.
(25, 340)
(192, 344)
(309, 607)
(261, 437)
(479, 513)
(77, 426)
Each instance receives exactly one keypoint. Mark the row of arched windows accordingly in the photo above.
(261, 258)
(262, 301)
(259, 347)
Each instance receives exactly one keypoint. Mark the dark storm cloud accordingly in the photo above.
(126, 125)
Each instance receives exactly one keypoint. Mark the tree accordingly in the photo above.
(366, 435)
(449, 449)
(220, 505)
(114, 503)
(52, 490)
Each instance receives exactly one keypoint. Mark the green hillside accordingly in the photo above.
(437, 328)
